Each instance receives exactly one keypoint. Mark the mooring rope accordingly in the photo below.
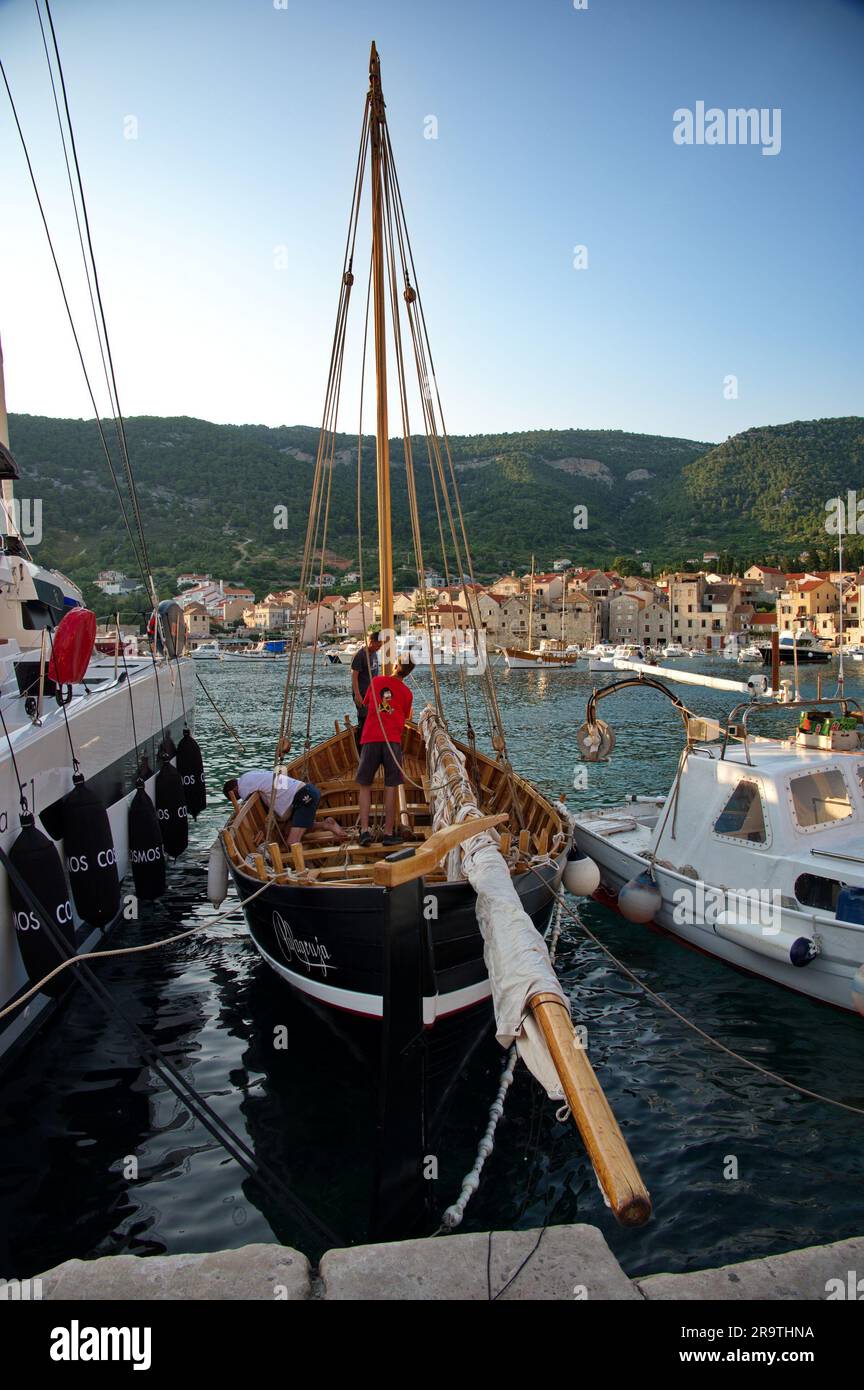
(688, 1023)
(455, 1212)
(150, 1053)
(129, 950)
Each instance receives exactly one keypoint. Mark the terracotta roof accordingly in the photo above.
(764, 620)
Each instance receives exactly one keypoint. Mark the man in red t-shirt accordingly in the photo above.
(388, 702)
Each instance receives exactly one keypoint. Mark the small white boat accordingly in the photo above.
(630, 652)
(206, 651)
(447, 648)
(855, 651)
(344, 654)
(755, 854)
(750, 654)
(673, 651)
(602, 657)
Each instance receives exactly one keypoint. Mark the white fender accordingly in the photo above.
(217, 875)
(787, 946)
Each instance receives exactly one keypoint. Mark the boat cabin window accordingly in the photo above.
(820, 798)
(742, 817)
(812, 890)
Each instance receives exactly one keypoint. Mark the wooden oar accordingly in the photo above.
(616, 1170)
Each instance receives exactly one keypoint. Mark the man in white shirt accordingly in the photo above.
(294, 799)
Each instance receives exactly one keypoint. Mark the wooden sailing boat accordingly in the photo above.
(550, 654)
(388, 944)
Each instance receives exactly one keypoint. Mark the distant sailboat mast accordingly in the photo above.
(531, 607)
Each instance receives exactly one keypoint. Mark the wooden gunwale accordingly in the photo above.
(325, 862)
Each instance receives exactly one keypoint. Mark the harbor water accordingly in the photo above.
(98, 1157)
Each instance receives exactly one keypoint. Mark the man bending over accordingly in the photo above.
(295, 801)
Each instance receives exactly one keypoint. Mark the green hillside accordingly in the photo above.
(772, 483)
(208, 494)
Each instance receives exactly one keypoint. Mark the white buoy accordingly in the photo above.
(640, 900)
(217, 875)
(858, 990)
(581, 875)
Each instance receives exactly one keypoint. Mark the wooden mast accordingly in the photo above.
(382, 444)
(531, 606)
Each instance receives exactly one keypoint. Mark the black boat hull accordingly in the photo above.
(806, 657)
(327, 944)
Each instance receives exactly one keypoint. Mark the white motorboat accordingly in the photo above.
(206, 651)
(447, 648)
(602, 657)
(344, 654)
(673, 651)
(630, 652)
(750, 655)
(755, 854)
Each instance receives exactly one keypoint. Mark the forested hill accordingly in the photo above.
(208, 494)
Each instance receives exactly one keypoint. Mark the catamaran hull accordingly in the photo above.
(100, 726)
(828, 977)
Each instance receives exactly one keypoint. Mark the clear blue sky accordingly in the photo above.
(554, 130)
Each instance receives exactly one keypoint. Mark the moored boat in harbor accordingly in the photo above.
(753, 854)
(108, 725)
(409, 947)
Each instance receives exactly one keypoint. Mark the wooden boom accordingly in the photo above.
(613, 1162)
(617, 1174)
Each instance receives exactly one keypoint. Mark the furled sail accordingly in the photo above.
(515, 954)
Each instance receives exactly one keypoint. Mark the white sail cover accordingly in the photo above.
(515, 954)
